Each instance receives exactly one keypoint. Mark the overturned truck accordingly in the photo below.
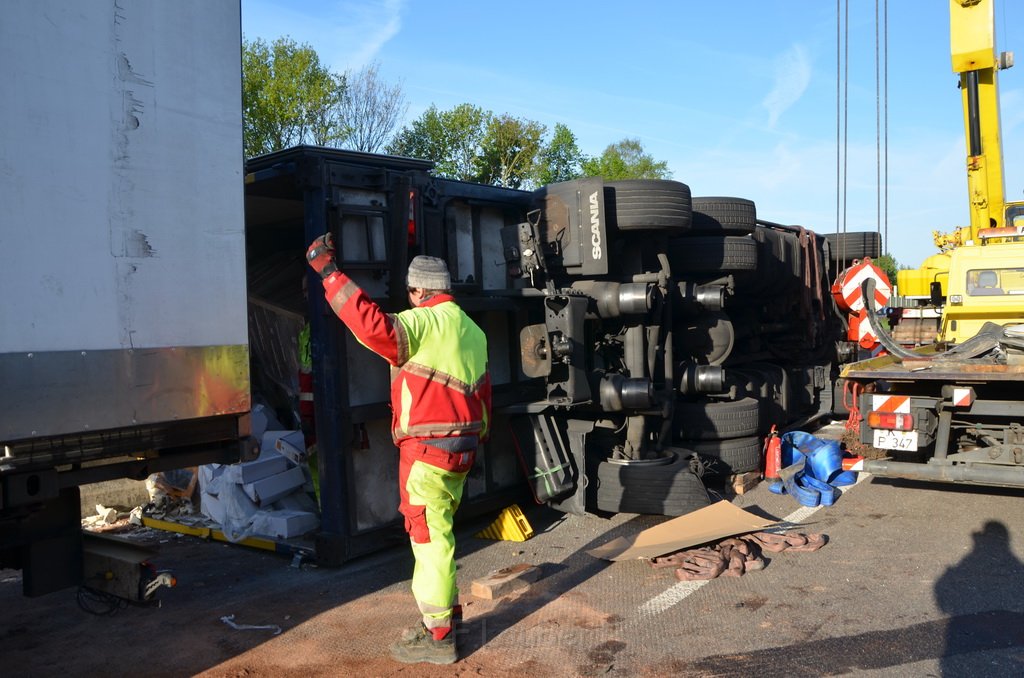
(641, 340)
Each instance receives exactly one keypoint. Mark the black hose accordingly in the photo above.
(984, 341)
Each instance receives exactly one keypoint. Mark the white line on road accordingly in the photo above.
(681, 591)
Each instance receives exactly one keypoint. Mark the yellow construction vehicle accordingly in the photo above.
(992, 247)
(953, 411)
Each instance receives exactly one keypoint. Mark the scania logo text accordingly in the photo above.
(595, 227)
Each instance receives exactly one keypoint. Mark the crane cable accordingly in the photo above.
(881, 120)
(882, 124)
(842, 90)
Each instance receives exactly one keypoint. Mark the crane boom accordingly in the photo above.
(973, 50)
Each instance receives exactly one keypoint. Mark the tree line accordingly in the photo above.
(290, 97)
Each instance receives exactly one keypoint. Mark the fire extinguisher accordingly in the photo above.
(772, 454)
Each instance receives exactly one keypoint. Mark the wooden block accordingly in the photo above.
(744, 482)
(505, 581)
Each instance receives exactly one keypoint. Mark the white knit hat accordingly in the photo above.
(428, 273)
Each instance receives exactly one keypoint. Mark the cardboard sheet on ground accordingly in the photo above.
(710, 523)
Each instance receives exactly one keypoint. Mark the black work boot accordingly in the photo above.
(418, 644)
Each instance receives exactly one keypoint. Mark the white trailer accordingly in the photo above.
(123, 327)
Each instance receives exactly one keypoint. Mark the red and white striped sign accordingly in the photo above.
(890, 403)
(847, 290)
(963, 397)
(860, 330)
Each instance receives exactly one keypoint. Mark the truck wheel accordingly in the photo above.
(728, 457)
(854, 245)
(704, 254)
(712, 420)
(730, 216)
(667, 490)
(648, 205)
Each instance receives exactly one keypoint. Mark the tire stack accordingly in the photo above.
(723, 429)
(766, 315)
(642, 216)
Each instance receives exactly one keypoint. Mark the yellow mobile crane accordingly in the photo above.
(954, 411)
(980, 268)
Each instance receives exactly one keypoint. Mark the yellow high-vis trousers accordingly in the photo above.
(430, 484)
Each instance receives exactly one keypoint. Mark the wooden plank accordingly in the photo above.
(505, 581)
(744, 482)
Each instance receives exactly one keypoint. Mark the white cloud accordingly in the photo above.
(792, 76)
(347, 34)
(365, 28)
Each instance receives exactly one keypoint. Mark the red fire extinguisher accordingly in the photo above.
(772, 454)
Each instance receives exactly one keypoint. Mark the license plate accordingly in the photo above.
(895, 440)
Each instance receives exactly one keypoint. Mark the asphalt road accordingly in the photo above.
(916, 580)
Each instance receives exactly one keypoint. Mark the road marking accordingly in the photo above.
(679, 592)
(672, 596)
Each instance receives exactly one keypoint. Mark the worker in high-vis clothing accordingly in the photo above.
(441, 402)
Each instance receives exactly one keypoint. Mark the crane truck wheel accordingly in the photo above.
(723, 216)
(703, 254)
(648, 205)
(854, 245)
(668, 490)
(713, 420)
(727, 457)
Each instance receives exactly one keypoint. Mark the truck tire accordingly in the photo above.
(854, 245)
(728, 457)
(668, 490)
(723, 216)
(648, 205)
(713, 420)
(712, 254)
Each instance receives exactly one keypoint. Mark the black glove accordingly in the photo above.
(320, 256)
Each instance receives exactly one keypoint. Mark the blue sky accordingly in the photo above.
(738, 97)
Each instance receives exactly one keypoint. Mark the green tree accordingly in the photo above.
(888, 263)
(370, 109)
(451, 139)
(626, 160)
(288, 97)
(560, 159)
(509, 150)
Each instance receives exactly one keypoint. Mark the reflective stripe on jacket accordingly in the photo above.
(441, 386)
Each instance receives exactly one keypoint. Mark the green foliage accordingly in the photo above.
(288, 97)
(626, 160)
(508, 150)
(451, 139)
(560, 159)
(471, 144)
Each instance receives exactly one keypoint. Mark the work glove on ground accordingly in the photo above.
(320, 256)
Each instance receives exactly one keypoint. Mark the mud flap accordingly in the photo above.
(551, 453)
